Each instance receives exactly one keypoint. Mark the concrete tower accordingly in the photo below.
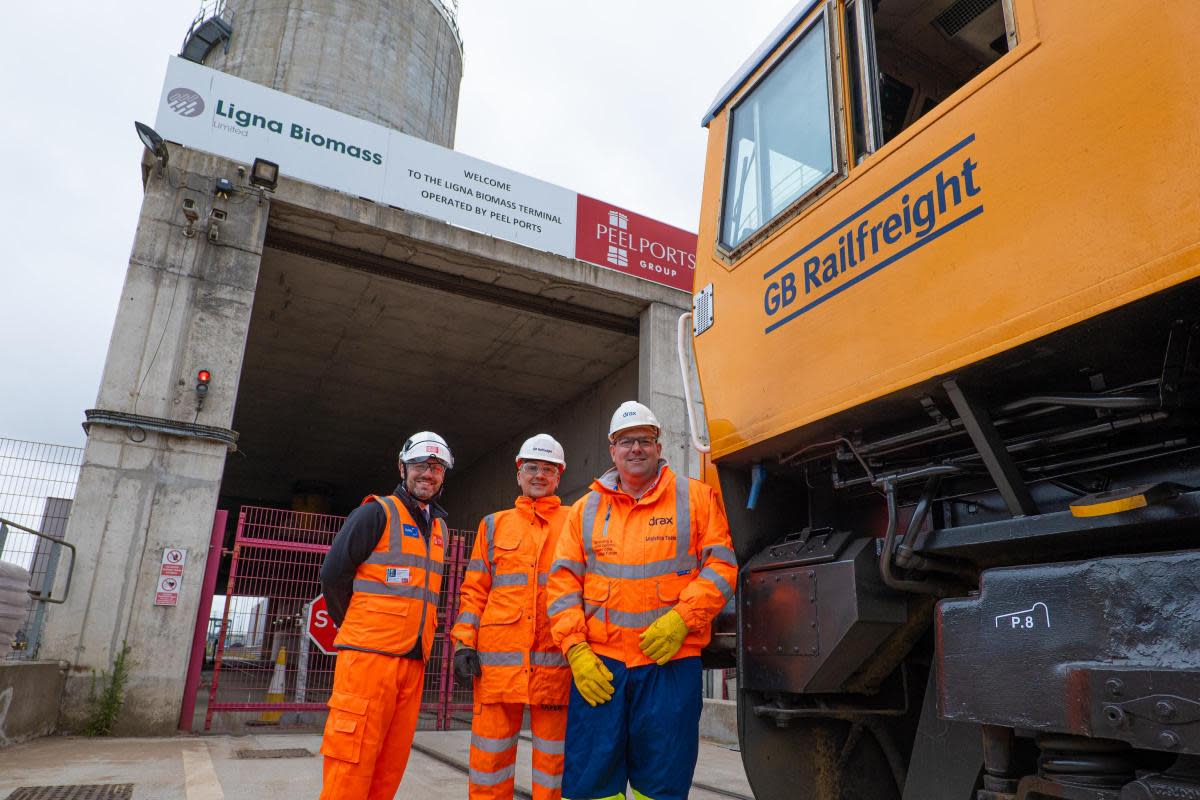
(394, 62)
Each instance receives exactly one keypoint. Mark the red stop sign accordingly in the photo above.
(320, 626)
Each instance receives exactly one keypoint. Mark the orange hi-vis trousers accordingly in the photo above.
(372, 718)
(494, 732)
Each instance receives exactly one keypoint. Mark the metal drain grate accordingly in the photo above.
(76, 791)
(285, 752)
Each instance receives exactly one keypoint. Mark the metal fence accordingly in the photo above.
(37, 486)
(266, 665)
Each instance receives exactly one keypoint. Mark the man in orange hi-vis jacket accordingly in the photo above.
(381, 580)
(642, 567)
(502, 635)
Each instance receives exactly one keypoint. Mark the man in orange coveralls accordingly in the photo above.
(502, 635)
(643, 565)
(381, 580)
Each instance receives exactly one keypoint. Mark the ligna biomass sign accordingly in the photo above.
(208, 110)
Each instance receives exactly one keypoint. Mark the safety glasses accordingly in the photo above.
(531, 469)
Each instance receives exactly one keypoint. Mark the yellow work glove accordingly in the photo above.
(592, 678)
(664, 637)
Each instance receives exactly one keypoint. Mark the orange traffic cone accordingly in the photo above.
(275, 690)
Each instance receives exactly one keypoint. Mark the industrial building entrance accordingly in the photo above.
(349, 355)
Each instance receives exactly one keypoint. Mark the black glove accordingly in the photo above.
(467, 664)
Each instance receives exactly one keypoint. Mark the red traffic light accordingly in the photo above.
(202, 379)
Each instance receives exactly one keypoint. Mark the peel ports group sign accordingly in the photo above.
(207, 110)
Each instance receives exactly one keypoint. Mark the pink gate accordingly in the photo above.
(263, 660)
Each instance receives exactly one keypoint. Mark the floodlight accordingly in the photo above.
(264, 174)
(153, 142)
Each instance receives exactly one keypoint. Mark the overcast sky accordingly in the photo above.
(604, 98)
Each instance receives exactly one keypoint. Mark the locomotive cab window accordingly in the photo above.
(902, 58)
(907, 56)
(782, 141)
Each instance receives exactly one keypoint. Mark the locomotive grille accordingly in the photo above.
(961, 14)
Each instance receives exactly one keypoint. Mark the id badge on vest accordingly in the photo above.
(397, 576)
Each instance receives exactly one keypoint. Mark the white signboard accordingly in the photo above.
(208, 110)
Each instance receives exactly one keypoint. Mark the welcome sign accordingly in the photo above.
(207, 110)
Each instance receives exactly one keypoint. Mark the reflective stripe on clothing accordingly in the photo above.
(547, 780)
(564, 602)
(651, 569)
(634, 620)
(501, 775)
(510, 579)
(554, 747)
(715, 577)
(574, 567)
(719, 552)
(490, 522)
(554, 659)
(401, 560)
(467, 618)
(500, 659)
(417, 592)
(489, 745)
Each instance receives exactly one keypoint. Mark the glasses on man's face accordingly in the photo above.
(644, 442)
(436, 467)
(548, 470)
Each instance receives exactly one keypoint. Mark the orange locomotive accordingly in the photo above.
(947, 331)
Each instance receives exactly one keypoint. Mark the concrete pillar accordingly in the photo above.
(185, 306)
(394, 62)
(661, 388)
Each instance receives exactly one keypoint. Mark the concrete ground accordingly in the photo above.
(210, 768)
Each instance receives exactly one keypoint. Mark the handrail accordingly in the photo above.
(36, 595)
(687, 384)
(449, 11)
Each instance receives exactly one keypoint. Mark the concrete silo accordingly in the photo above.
(394, 62)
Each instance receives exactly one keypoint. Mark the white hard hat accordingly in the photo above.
(632, 414)
(424, 446)
(542, 447)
